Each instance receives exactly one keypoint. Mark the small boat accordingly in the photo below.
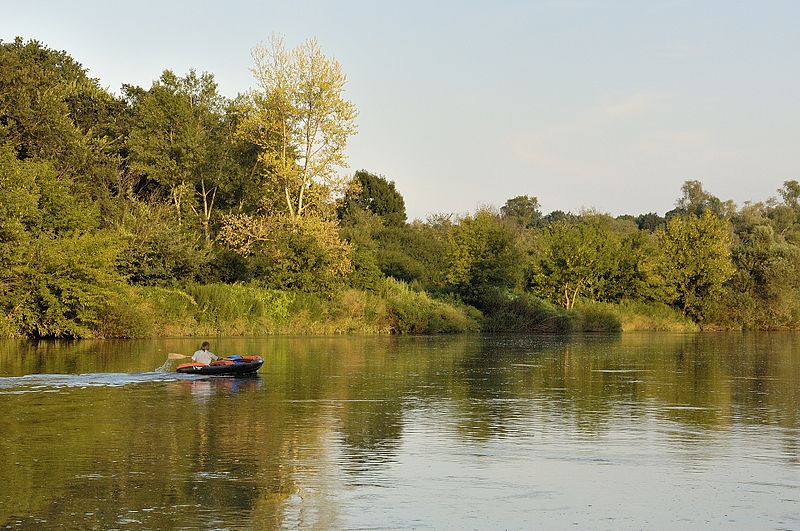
(230, 366)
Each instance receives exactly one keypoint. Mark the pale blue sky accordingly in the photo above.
(605, 104)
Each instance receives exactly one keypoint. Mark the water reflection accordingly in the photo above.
(602, 431)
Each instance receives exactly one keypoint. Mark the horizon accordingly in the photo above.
(607, 105)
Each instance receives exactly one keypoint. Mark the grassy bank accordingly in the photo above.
(635, 316)
(392, 308)
(245, 309)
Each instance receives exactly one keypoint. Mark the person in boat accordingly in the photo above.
(204, 355)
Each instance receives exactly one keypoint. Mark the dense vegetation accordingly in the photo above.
(173, 210)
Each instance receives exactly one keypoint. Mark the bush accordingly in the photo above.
(127, 316)
(522, 312)
(596, 319)
(415, 312)
(636, 315)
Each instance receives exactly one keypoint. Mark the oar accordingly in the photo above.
(176, 356)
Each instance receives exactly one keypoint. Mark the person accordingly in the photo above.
(204, 355)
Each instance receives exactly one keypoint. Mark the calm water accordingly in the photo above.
(655, 431)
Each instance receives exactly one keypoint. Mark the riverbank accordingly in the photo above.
(203, 310)
(393, 308)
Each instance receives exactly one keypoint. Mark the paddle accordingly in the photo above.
(176, 356)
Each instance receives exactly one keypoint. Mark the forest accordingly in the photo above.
(172, 210)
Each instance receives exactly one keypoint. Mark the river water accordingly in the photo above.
(632, 431)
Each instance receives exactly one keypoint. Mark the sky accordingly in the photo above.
(585, 104)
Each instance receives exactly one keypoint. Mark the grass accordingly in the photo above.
(249, 309)
(393, 308)
(638, 315)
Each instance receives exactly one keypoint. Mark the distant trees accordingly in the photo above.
(483, 255)
(573, 260)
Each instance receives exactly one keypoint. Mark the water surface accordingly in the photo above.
(656, 431)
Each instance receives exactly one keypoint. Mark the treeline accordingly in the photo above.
(173, 210)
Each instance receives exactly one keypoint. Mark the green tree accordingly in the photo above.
(574, 259)
(695, 260)
(483, 256)
(179, 141)
(523, 210)
(35, 84)
(51, 110)
(790, 193)
(57, 270)
(301, 121)
(650, 221)
(695, 200)
(374, 194)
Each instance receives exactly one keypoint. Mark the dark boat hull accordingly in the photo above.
(237, 368)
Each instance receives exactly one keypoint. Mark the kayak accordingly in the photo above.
(230, 366)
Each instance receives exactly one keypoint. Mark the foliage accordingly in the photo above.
(640, 315)
(306, 254)
(372, 193)
(575, 259)
(179, 143)
(696, 261)
(64, 286)
(764, 292)
(522, 210)
(300, 121)
(695, 200)
(158, 250)
(177, 211)
(483, 254)
(413, 312)
(522, 312)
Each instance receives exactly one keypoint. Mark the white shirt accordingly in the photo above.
(204, 356)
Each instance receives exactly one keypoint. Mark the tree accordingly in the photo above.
(483, 256)
(650, 221)
(695, 200)
(790, 192)
(695, 260)
(51, 110)
(301, 121)
(305, 254)
(178, 140)
(523, 210)
(374, 194)
(35, 84)
(575, 259)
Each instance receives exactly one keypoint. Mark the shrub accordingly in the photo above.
(522, 312)
(638, 315)
(415, 312)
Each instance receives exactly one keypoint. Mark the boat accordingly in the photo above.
(229, 366)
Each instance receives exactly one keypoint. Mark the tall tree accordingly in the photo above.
(178, 140)
(695, 200)
(301, 121)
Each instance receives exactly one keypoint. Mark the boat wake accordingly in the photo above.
(43, 383)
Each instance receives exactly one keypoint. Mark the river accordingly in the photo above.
(631, 431)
